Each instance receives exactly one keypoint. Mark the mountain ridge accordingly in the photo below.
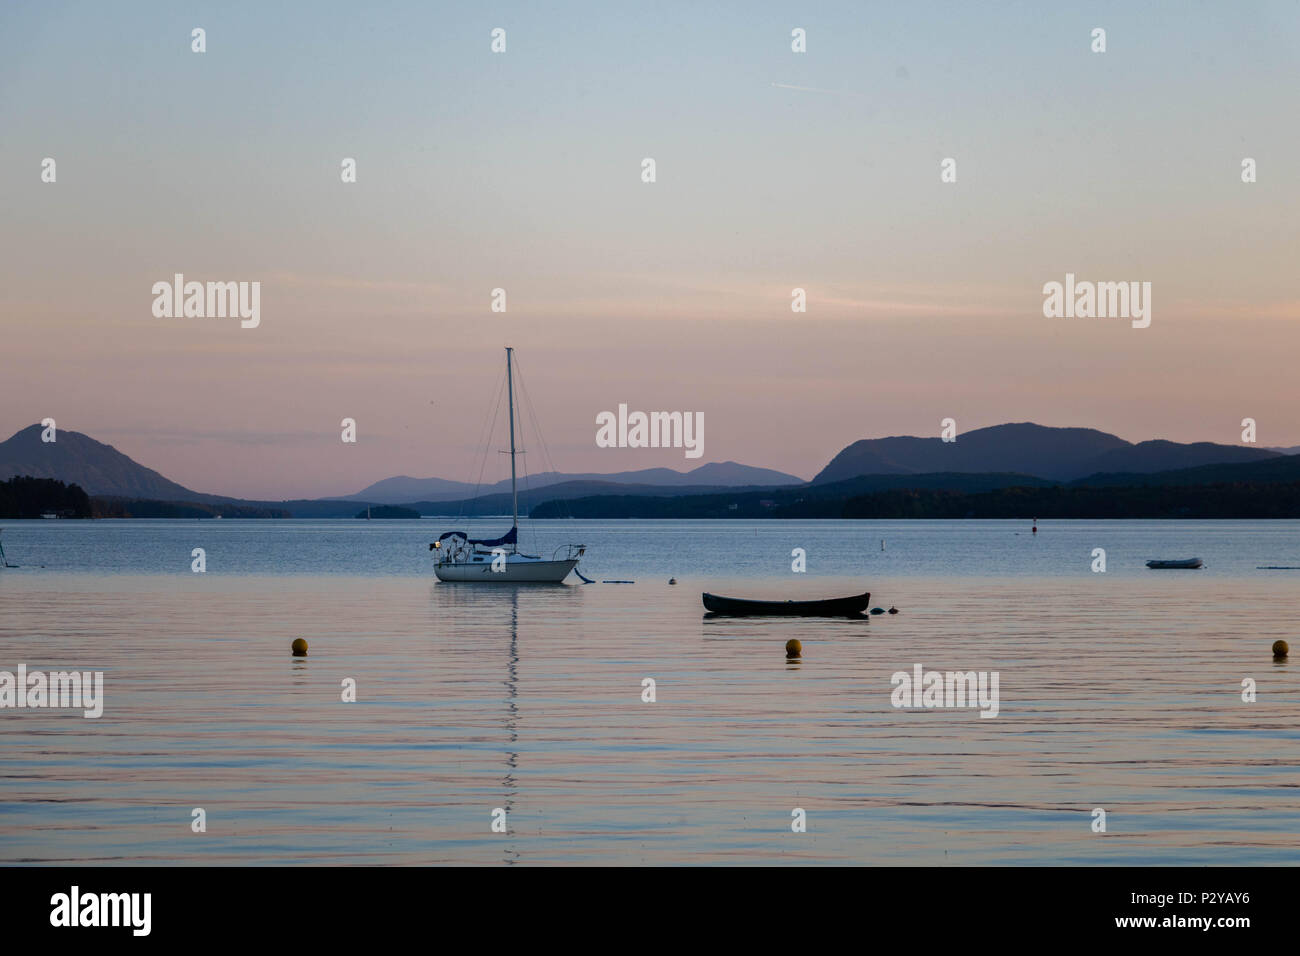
(1037, 452)
(1265, 489)
(103, 471)
(1060, 454)
(403, 488)
(100, 469)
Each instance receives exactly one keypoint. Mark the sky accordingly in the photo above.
(522, 170)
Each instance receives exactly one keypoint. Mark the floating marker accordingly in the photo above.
(877, 610)
(299, 647)
(1280, 649)
(893, 610)
(793, 648)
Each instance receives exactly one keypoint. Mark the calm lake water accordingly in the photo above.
(1120, 691)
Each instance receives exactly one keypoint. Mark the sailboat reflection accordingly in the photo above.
(485, 612)
(488, 610)
(508, 783)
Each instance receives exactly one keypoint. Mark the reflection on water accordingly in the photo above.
(1115, 693)
(512, 720)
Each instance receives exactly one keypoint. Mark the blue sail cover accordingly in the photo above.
(510, 537)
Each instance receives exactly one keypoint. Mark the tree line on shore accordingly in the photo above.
(27, 497)
(1217, 500)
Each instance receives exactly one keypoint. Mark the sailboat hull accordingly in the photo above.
(513, 572)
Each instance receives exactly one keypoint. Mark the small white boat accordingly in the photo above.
(1183, 563)
(464, 559)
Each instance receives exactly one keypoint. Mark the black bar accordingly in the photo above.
(955, 906)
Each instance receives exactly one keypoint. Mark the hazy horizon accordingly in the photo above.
(522, 170)
(806, 475)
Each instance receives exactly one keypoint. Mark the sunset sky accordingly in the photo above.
(522, 170)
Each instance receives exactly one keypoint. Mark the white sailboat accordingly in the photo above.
(498, 560)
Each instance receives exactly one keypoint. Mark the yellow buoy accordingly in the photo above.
(1280, 649)
(793, 648)
(299, 647)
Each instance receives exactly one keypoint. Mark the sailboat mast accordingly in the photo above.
(514, 494)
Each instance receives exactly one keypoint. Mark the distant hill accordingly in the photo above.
(1062, 454)
(387, 511)
(938, 481)
(805, 501)
(1278, 469)
(1156, 456)
(113, 507)
(1262, 489)
(735, 474)
(98, 468)
(403, 489)
(498, 503)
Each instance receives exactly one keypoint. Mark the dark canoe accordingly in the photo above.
(830, 607)
(1186, 563)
